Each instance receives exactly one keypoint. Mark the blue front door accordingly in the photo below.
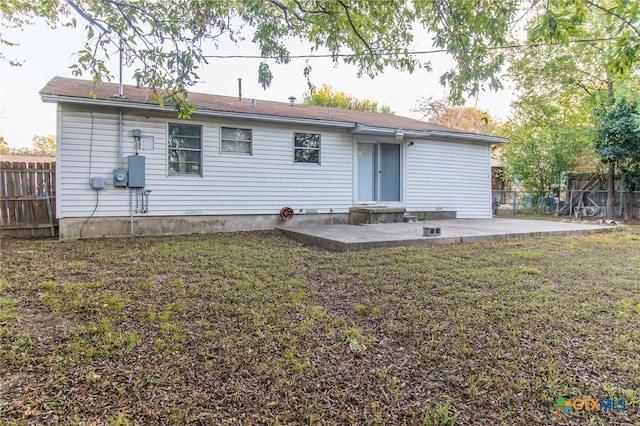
(378, 172)
(389, 172)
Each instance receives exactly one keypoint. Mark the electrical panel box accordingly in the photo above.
(146, 143)
(136, 171)
(97, 182)
(120, 177)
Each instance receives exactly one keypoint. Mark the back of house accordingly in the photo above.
(128, 166)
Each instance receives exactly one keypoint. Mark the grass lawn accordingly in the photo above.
(254, 328)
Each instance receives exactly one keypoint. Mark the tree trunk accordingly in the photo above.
(611, 196)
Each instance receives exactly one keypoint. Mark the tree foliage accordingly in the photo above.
(559, 86)
(166, 41)
(328, 96)
(618, 138)
(44, 145)
(550, 128)
(40, 146)
(545, 142)
(4, 146)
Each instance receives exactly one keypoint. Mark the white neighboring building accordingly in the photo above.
(128, 166)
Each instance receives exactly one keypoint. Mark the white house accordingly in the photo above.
(126, 166)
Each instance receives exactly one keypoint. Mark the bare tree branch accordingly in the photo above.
(86, 16)
(613, 13)
(286, 11)
(353, 27)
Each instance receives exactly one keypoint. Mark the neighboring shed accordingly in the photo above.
(134, 168)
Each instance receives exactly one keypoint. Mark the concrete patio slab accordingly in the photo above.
(363, 237)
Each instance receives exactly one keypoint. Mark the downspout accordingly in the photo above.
(120, 148)
(120, 95)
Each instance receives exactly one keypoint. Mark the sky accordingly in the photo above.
(47, 52)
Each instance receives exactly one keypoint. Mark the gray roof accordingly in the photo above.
(61, 89)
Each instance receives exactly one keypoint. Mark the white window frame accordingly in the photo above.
(200, 150)
(319, 148)
(222, 140)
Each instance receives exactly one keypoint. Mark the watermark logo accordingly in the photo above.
(563, 405)
(590, 404)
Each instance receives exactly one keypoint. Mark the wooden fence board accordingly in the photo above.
(27, 198)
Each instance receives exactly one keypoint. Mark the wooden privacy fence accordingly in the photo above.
(27, 199)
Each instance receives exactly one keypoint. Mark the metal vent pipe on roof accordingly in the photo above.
(240, 89)
(120, 85)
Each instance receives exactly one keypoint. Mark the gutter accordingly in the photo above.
(203, 112)
(472, 137)
(424, 134)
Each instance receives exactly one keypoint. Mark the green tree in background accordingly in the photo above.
(553, 126)
(4, 146)
(44, 146)
(618, 143)
(328, 96)
(545, 142)
(550, 127)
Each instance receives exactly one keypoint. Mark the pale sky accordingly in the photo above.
(46, 53)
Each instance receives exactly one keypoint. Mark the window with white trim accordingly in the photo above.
(306, 148)
(185, 149)
(238, 141)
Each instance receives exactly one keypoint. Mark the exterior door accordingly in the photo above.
(389, 172)
(378, 172)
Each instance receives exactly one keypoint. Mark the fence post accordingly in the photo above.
(515, 200)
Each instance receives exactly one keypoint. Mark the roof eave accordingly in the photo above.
(361, 129)
(203, 112)
(470, 137)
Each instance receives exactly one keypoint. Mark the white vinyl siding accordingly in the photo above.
(453, 176)
(261, 183)
(436, 176)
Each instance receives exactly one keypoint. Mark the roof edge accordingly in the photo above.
(361, 129)
(204, 112)
(471, 137)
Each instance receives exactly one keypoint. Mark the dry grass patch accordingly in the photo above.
(254, 328)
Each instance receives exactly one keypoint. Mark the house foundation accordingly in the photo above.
(74, 228)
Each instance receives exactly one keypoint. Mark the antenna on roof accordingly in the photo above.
(120, 86)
